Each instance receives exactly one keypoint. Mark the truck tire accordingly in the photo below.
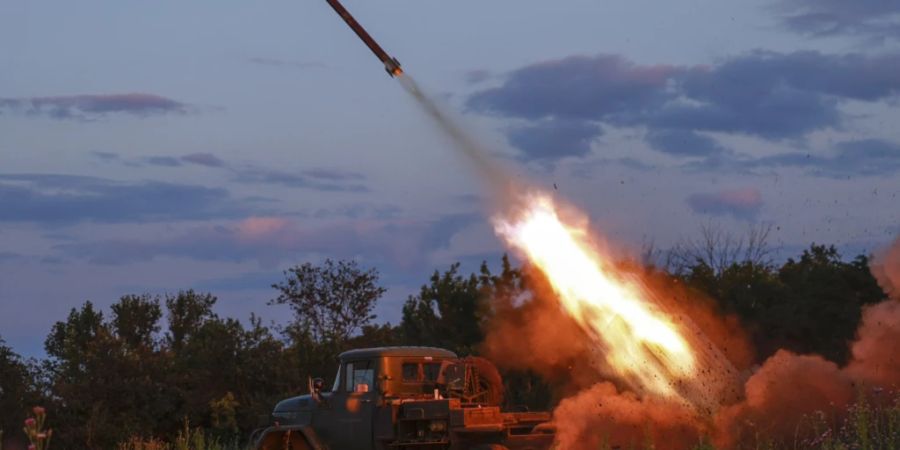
(491, 381)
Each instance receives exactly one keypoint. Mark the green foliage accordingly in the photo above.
(114, 379)
(808, 305)
(331, 302)
(15, 389)
(448, 312)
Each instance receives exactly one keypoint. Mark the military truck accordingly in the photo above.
(410, 398)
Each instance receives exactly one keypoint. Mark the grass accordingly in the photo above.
(871, 423)
(187, 439)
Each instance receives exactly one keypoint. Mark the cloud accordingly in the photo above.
(106, 156)
(273, 240)
(477, 76)
(777, 95)
(61, 199)
(203, 159)
(876, 19)
(165, 161)
(10, 256)
(867, 157)
(683, 143)
(601, 87)
(554, 138)
(744, 204)
(93, 106)
(316, 179)
(765, 94)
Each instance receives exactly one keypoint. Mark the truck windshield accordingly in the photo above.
(360, 373)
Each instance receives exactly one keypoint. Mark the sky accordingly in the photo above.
(151, 148)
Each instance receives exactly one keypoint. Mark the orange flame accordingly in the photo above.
(640, 343)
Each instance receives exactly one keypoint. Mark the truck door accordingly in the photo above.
(357, 411)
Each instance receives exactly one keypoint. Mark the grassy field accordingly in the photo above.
(868, 424)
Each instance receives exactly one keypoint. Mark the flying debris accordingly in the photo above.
(391, 65)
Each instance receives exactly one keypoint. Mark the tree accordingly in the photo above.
(808, 305)
(718, 249)
(187, 311)
(136, 320)
(822, 305)
(14, 391)
(333, 301)
(448, 312)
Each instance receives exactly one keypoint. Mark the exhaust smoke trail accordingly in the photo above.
(499, 180)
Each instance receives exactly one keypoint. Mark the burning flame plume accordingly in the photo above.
(637, 340)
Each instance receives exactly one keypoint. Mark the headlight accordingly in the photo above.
(437, 426)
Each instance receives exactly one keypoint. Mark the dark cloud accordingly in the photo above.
(333, 175)
(164, 161)
(683, 143)
(10, 256)
(744, 204)
(88, 107)
(765, 94)
(554, 138)
(578, 87)
(60, 199)
(310, 179)
(203, 159)
(106, 156)
(318, 179)
(876, 19)
(775, 95)
(477, 76)
(852, 158)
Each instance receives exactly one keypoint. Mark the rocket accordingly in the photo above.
(391, 65)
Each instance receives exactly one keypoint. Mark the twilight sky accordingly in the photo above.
(210, 145)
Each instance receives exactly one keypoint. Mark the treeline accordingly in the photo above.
(149, 363)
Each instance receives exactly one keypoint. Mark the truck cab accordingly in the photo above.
(367, 380)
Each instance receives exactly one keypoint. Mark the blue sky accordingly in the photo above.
(165, 146)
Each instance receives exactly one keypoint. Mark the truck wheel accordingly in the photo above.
(490, 380)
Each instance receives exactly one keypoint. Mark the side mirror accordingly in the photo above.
(318, 384)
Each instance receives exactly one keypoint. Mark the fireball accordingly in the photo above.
(637, 340)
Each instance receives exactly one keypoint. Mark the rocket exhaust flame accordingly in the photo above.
(637, 339)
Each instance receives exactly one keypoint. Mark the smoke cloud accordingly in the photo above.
(601, 415)
(886, 268)
(780, 399)
(876, 360)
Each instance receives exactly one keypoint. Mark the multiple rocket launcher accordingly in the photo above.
(391, 65)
